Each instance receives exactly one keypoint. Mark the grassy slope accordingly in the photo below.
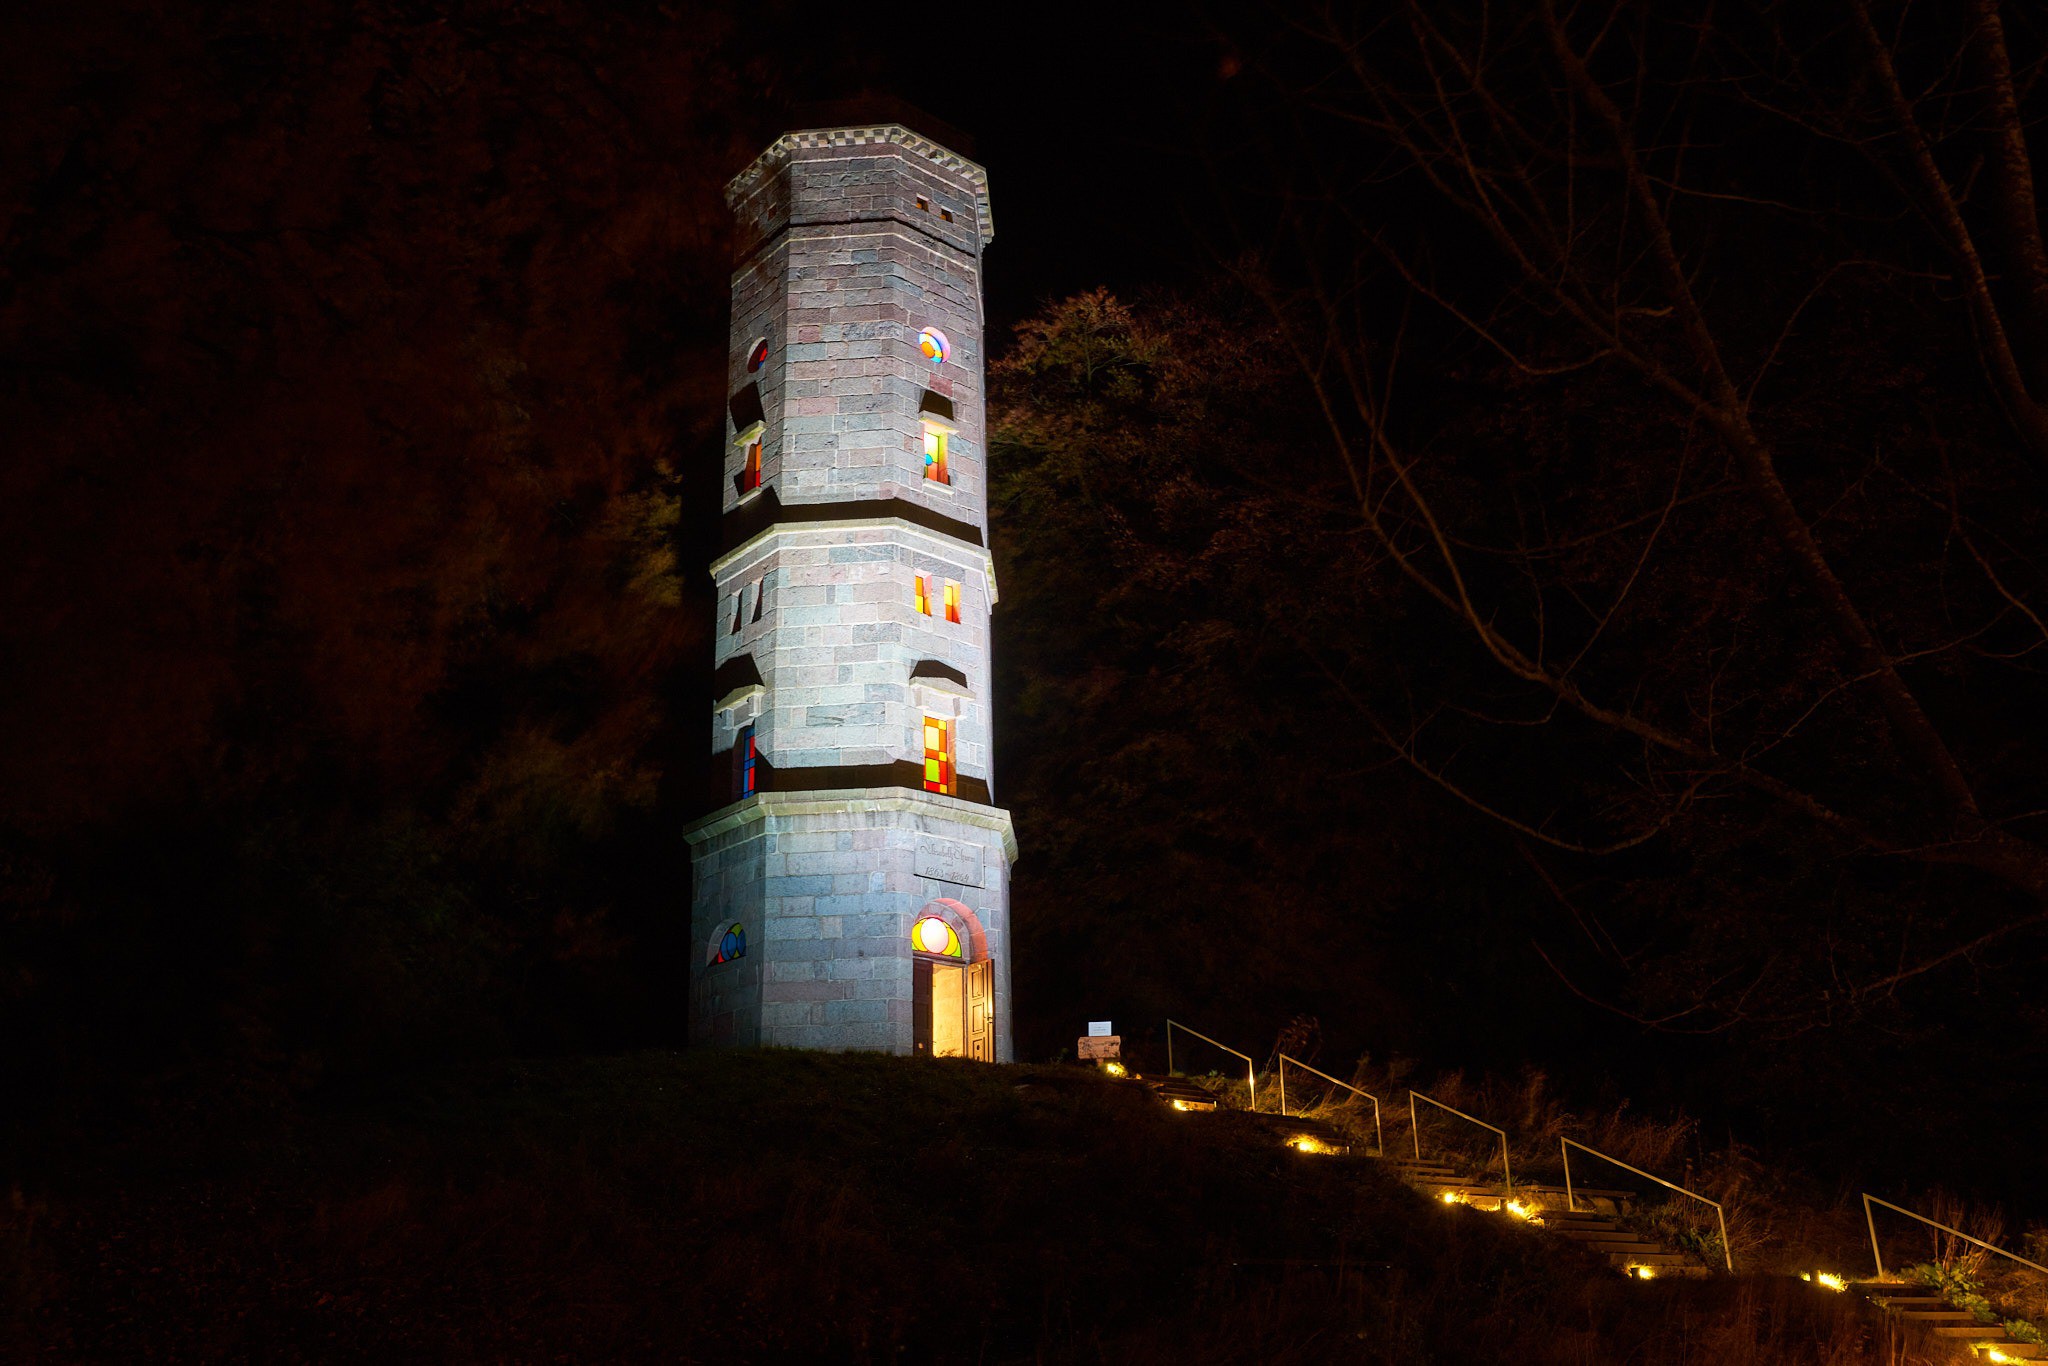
(719, 1207)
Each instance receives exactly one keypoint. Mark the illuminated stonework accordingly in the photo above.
(850, 734)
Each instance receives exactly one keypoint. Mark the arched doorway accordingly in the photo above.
(953, 984)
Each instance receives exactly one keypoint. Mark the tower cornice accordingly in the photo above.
(889, 134)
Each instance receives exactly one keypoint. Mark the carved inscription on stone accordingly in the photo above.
(948, 860)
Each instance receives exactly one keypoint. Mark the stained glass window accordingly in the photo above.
(924, 597)
(952, 601)
(732, 945)
(935, 455)
(938, 755)
(757, 354)
(745, 759)
(934, 935)
(936, 348)
(750, 473)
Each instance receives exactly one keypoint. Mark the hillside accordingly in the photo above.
(713, 1207)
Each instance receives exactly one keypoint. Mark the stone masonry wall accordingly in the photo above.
(828, 887)
(838, 637)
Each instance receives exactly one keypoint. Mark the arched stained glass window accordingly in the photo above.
(757, 354)
(732, 945)
(936, 348)
(933, 935)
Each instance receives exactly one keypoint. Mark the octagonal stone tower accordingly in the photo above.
(852, 888)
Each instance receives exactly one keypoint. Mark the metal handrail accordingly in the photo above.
(1251, 1075)
(1415, 1133)
(1379, 1142)
(1871, 1219)
(1565, 1146)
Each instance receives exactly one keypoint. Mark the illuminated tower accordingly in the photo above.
(852, 890)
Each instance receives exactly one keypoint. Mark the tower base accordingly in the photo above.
(825, 888)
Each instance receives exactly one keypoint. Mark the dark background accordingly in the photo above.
(362, 398)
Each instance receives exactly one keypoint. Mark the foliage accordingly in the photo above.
(1200, 821)
(350, 354)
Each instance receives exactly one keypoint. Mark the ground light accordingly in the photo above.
(1830, 1280)
(1639, 1271)
(1305, 1144)
(1180, 1105)
(1520, 1210)
(1453, 1198)
(1115, 1069)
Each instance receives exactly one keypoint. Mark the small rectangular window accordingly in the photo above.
(924, 203)
(938, 755)
(935, 454)
(952, 601)
(924, 596)
(946, 214)
(745, 769)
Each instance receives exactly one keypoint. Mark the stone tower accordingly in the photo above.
(852, 888)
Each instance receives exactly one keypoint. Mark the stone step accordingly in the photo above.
(1975, 1330)
(1657, 1259)
(1937, 1315)
(1545, 1190)
(1182, 1093)
(2010, 1349)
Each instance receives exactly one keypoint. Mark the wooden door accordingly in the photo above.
(981, 1010)
(921, 1007)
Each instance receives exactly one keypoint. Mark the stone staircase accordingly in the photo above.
(1597, 1229)
(1924, 1306)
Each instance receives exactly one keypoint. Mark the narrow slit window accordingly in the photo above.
(952, 601)
(750, 473)
(935, 441)
(760, 596)
(924, 596)
(745, 764)
(739, 610)
(938, 755)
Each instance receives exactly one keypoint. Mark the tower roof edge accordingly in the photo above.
(856, 135)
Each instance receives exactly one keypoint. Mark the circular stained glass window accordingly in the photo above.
(933, 343)
(757, 354)
(732, 945)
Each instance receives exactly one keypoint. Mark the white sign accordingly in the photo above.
(948, 861)
(1098, 1029)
